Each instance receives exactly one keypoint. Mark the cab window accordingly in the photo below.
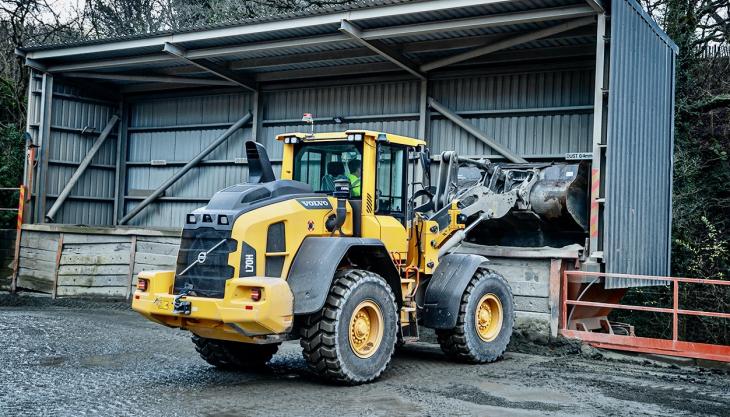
(389, 184)
(320, 164)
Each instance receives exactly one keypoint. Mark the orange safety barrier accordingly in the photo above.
(18, 227)
(673, 347)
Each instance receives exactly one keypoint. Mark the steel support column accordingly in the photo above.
(176, 176)
(600, 104)
(258, 101)
(423, 115)
(44, 141)
(120, 163)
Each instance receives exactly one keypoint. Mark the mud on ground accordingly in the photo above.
(75, 357)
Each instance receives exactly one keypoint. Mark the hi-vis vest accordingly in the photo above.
(354, 185)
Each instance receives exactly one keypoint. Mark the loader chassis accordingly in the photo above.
(349, 273)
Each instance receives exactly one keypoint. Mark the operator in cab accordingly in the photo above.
(355, 176)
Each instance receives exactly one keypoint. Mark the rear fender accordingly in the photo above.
(446, 287)
(318, 258)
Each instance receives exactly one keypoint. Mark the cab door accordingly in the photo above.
(391, 199)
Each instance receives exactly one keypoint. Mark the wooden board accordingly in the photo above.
(108, 259)
(98, 248)
(92, 281)
(44, 241)
(72, 239)
(155, 259)
(157, 248)
(35, 280)
(116, 292)
(93, 270)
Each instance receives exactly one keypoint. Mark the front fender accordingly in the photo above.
(447, 285)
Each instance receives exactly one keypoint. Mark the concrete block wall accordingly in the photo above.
(80, 261)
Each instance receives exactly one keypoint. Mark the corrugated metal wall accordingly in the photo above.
(389, 106)
(91, 200)
(164, 134)
(539, 114)
(638, 172)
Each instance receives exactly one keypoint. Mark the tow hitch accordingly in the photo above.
(180, 306)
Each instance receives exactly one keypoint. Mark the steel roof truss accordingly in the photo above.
(210, 67)
(381, 49)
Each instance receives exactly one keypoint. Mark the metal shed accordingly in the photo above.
(541, 78)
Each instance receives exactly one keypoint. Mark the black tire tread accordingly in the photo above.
(318, 334)
(225, 354)
(453, 341)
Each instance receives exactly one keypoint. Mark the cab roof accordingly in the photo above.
(335, 136)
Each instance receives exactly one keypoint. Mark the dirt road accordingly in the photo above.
(81, 359)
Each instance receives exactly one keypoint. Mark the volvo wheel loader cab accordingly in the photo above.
(348, 251)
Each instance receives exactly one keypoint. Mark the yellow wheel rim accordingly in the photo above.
(366, 329)
(488, 317)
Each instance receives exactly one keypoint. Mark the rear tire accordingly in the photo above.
(351, 340)
(484, 325)
(224, 354)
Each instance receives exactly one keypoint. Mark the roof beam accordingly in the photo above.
(413, 47)
(334, 71)
(490, 21)
(596, 5)
(507, 43)
(147, 78)
(112, 63)
(381, 49)
(214, 69)
(254, 28)
(373, 34)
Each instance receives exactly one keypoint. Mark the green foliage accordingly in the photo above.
(11, 171)
(706, 255)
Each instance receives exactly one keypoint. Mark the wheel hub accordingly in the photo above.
(488, 317)
(366, 329)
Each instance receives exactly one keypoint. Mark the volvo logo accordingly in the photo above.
(315, 203)
(202, 256)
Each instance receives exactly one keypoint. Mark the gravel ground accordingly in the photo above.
(76, 357)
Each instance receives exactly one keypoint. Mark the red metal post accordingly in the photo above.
(564, 301)
(18, 235)
(675, 314)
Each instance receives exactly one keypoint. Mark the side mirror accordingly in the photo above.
(342, 189)
(341, 193)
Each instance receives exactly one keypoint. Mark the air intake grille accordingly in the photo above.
(203, 261)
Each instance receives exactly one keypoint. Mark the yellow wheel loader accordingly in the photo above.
(350, 275)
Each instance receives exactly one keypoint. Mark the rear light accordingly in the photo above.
(255, 294)
(142, 284)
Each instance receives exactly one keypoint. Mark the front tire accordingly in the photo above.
(484, 325)
(224, 354)
(351, 340)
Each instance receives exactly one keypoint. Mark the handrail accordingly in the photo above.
(673, 347)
